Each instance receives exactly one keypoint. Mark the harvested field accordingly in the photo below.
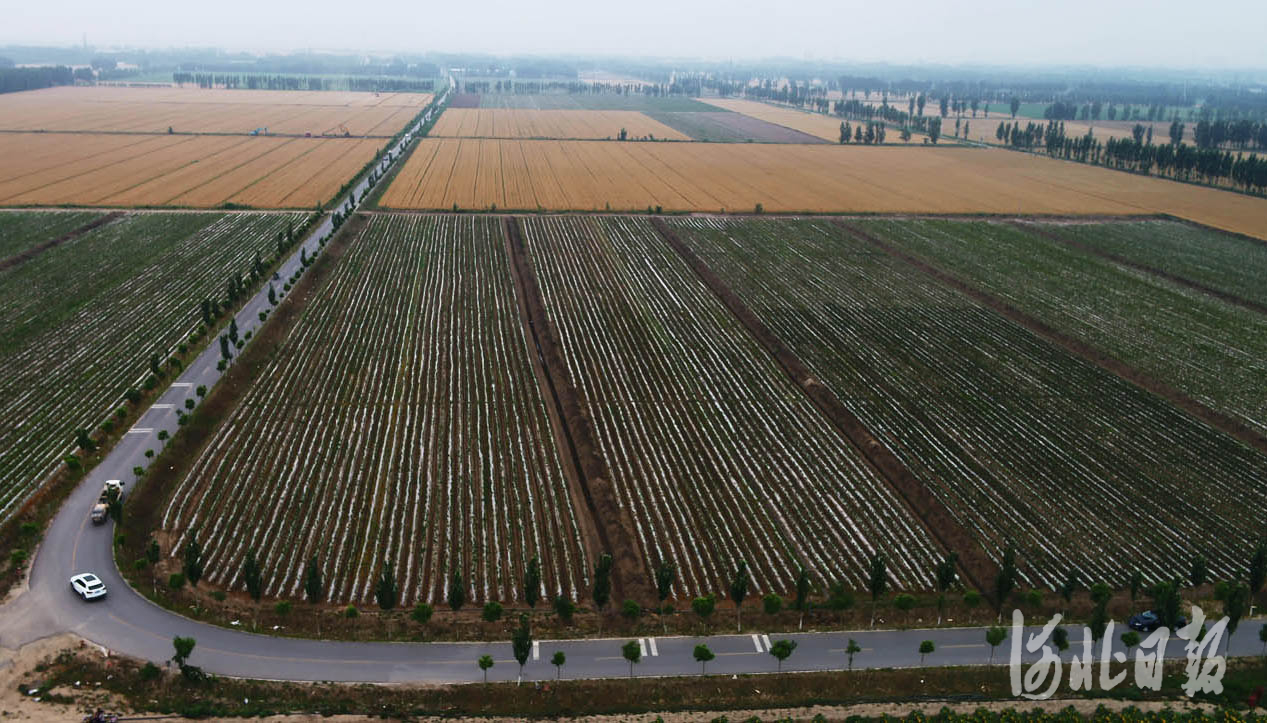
(162, 170)
(1213, 351)
(154, 110)
(815, 124)
(399, 419)
(79, 321)
(731, 128)
(1024, 442)
(595, 101)
(592, 176)
(714, 452)
(560, 124)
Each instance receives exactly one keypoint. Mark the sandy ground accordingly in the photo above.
(18, 667)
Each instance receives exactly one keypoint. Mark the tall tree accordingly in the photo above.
(739, 590)
(602, 585)
(802, 594)
(532, 582)
(1015, 105)
(457, 590)
(252, 576)
(945, 576)
(192, 565)
(1258, 562)
(1005, 580)
(385, 592)
(521, 644)
(665, 573)
(314, 589)
(852, 649)
(877, 581)
(1235, 607)
(1199, 571)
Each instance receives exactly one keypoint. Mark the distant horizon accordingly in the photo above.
(1225, 35)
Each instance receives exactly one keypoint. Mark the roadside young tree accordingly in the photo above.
(457, 591)
(632, 652)
(904, 602)
(485, 662)
(665, 572)
(782, 650)
(739, 590)
(995, 635)
(703, 606)
(926, 648)
(314, 588)
(521, 644)
(839, 599)
(945, 576)
(852, 649)
(772, 604)
(386, 592)
(564, 608)
(971, 600)
(1130, 639)
(877, 581)
(702, 655)
(558, 660)
(192, 565)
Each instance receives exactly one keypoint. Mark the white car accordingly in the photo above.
(88, 586)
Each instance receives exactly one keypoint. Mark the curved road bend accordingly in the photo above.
(128, 623)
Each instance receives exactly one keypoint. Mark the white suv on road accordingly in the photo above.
(88, 586)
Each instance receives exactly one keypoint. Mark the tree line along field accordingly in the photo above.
(586, 176)
(581, 101)
(714, 453)
(79, 321)
(1214, 351)
(190, 171)
(564, 124)
(153, 110)
(400, 420)
(1024, 442)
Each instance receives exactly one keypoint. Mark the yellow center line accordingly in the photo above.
(74, 550)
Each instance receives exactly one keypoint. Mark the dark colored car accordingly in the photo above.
(1148, 621)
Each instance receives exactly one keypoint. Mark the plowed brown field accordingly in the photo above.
(587, 175)
(189, 110)
(161, 170)
(561, 124)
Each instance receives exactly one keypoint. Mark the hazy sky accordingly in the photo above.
(1173, 33)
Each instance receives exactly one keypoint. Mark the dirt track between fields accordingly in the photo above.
(613, 524)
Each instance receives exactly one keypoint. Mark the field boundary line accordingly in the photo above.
(24, 256)
(942, 526)
(1151, 270)
(1221, 421)
(613, 523)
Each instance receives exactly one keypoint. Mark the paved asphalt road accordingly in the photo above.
(128, 623)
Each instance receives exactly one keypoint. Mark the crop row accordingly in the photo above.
(79, 323)
(714, 453)
(399, 421)
(1210, 349)
(1025, 443)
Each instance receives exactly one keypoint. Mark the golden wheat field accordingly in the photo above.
(815, 124)
(591, 175)
(557, 124)
(163, 170)
(193, 110)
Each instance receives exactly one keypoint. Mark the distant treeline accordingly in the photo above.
(16, 79)
(302, 82)
(1138, 153)
(538, 87)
